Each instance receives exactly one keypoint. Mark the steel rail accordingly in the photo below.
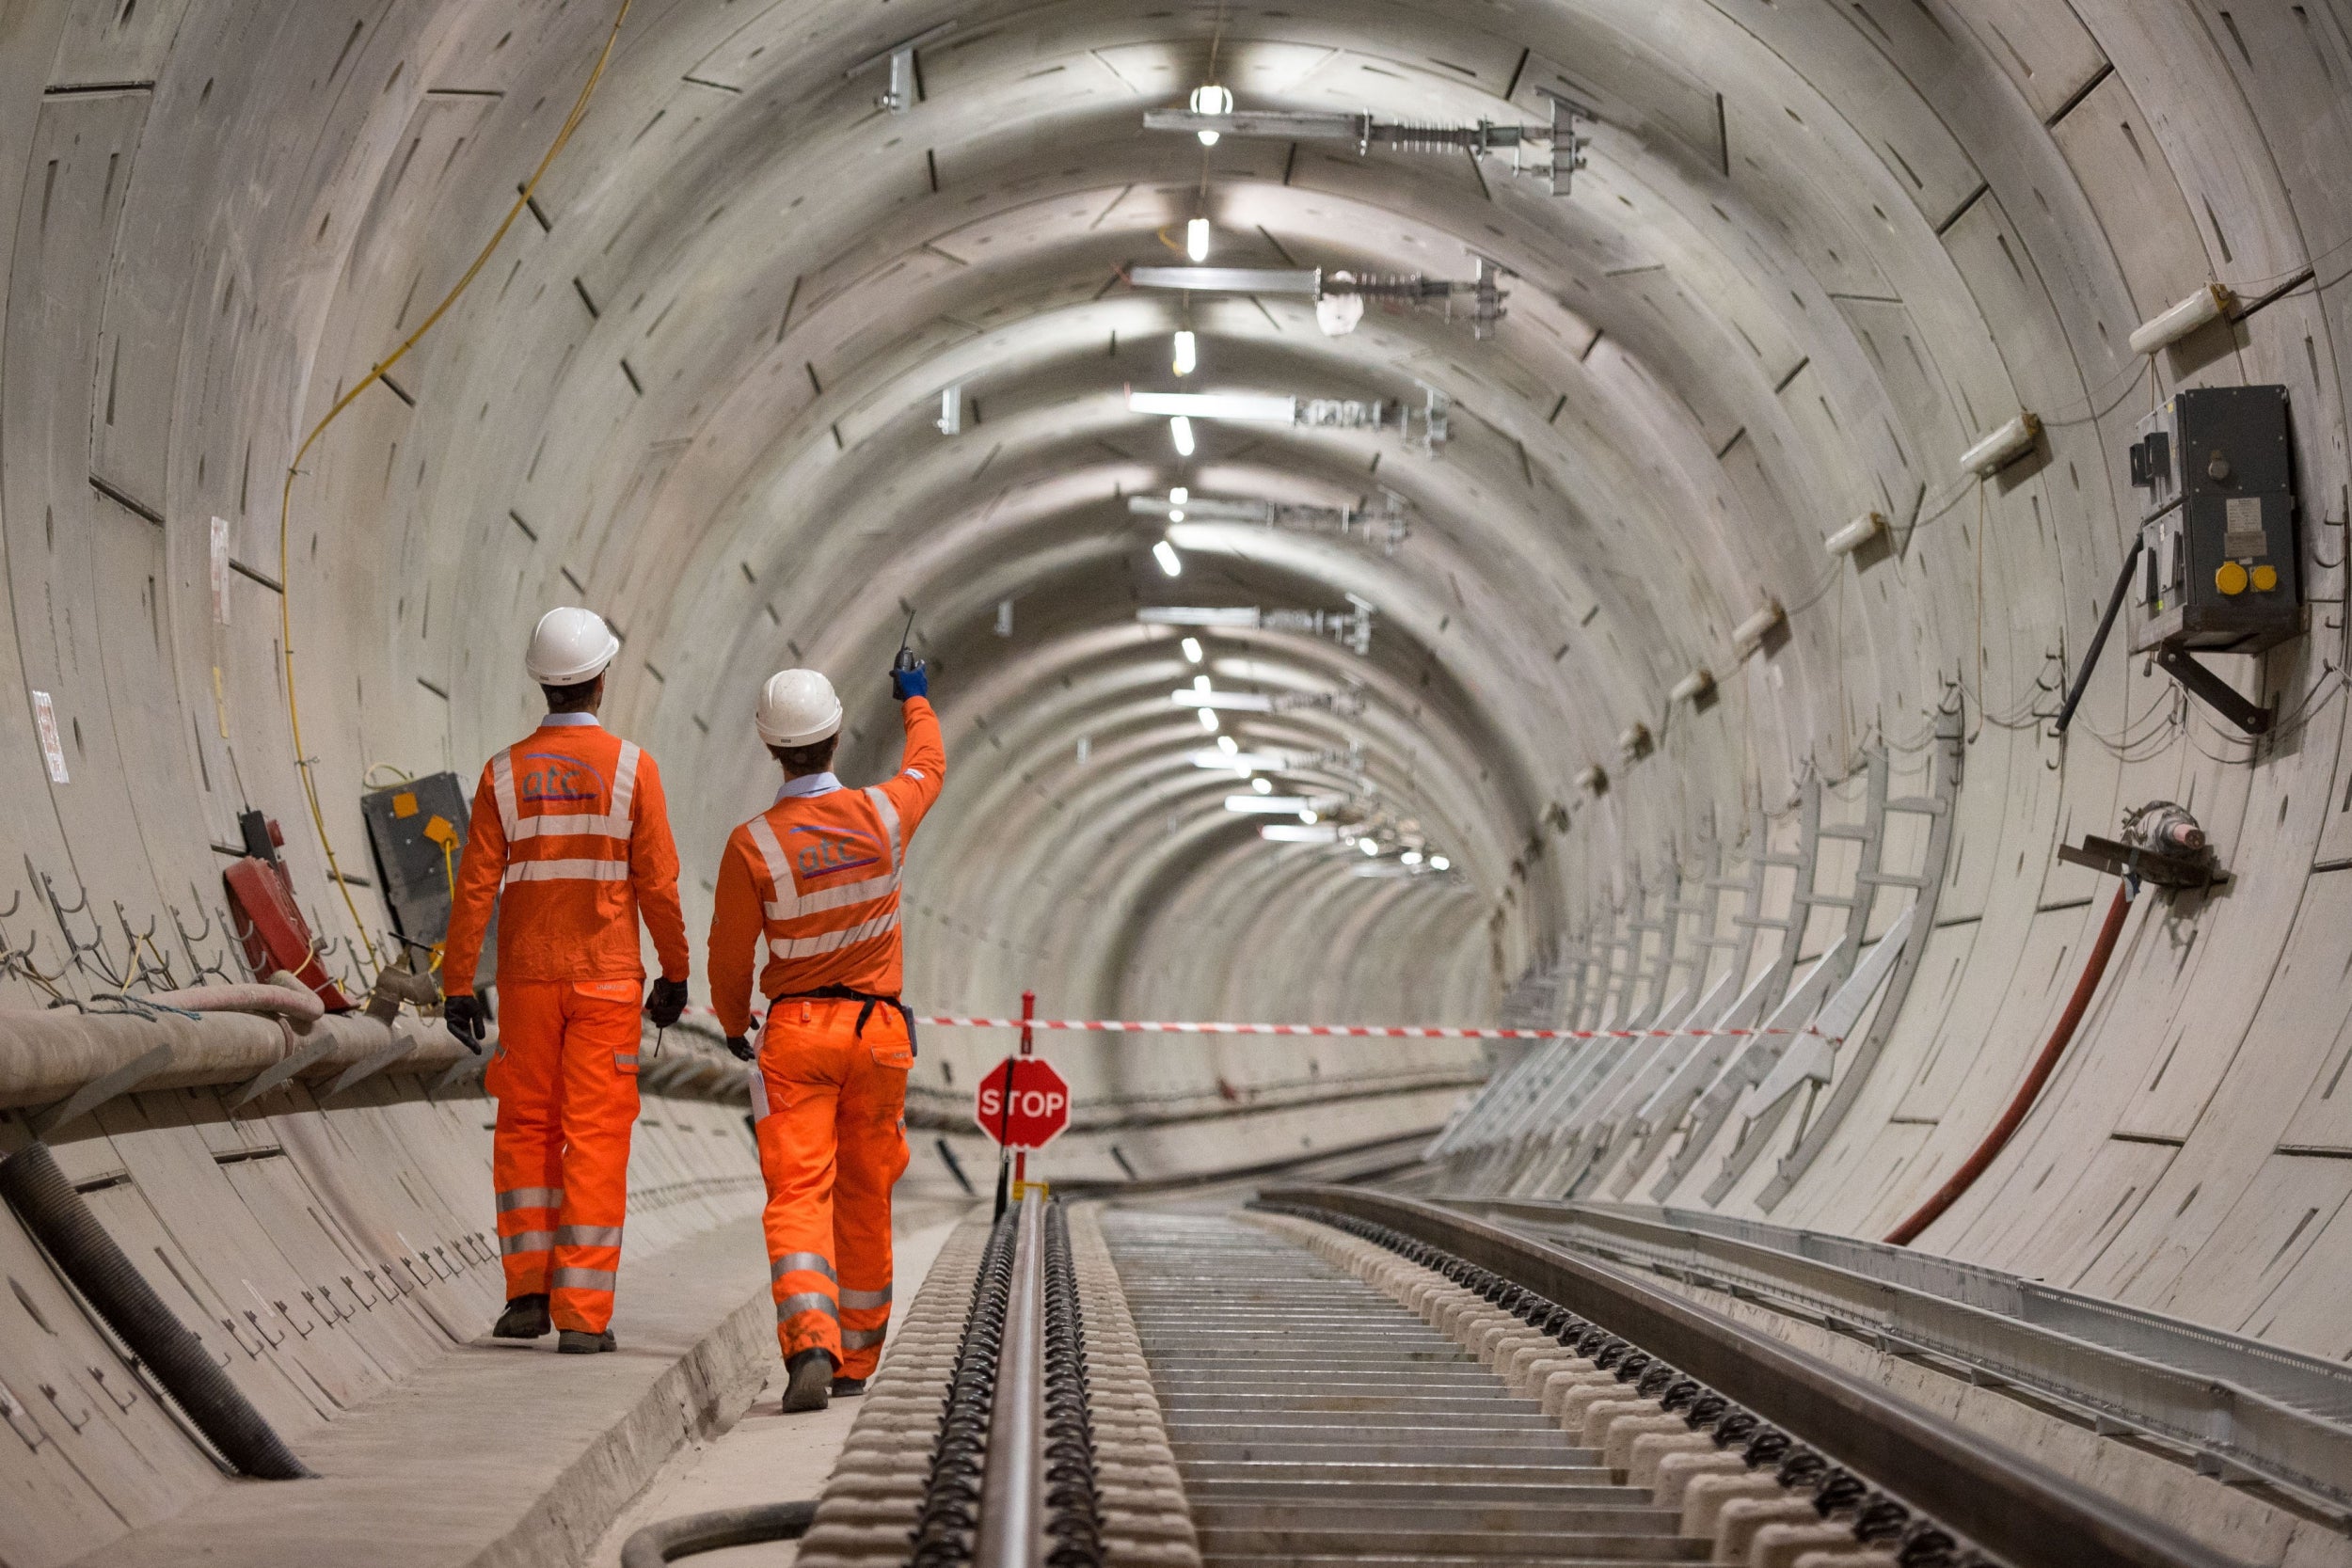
(2247, 1410)
(1012, 1482)
(2021, 1512)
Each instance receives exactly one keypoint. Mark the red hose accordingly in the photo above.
(1962, 1179)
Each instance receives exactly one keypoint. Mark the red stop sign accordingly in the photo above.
(1039, 1107)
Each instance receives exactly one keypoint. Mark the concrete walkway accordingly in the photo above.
(506, 1455)
(769, 1456)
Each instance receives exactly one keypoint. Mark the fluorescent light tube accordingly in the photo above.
(1749, 635)
(1295, 832)
(1215, 406)
(1165, 553)
(1187, 352)
(1266, 805)
(1691, 687)
(1180, 432)
(1191, 645)
(1235, 702)
(1197, 239)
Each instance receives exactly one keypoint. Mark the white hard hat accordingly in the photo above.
(797, 707)
(568, 646)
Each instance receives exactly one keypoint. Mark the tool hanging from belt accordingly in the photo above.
(871, 1001)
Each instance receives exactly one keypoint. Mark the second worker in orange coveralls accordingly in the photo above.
(814, 880)
(570, 842)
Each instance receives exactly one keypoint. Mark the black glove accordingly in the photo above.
(742, 1047)
(467, 1020)
(666, 1003)
(910, 681)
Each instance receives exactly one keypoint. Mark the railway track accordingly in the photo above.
(1338, 1376)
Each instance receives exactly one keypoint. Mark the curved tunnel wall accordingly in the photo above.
(1817, 253)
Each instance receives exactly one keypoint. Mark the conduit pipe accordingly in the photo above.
(56, 1215)
(2095, 968)
(696, 1534)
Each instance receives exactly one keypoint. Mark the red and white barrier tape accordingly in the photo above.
(1323, 1031)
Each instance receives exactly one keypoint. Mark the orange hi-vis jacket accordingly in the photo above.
(815, 879)
(570, 841)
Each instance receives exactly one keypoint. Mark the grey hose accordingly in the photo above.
(691, 1533)
(46, 1202)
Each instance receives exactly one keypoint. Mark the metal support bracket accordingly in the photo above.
(2211, 689)
(374, 1062)
(294, 1062)
(95, 1093)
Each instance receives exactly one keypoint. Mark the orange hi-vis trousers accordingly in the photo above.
(565, 1078)
(830, 1109)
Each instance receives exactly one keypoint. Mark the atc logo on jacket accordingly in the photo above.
(552, 776)
(821, 851)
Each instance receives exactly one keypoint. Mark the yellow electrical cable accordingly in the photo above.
(285, 506)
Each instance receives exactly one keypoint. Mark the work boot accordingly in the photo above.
(525, 1318)
(843, 1387)
(811, 1385)
(579, 1341)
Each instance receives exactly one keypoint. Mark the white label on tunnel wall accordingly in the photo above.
(52, 748)
(220, 571)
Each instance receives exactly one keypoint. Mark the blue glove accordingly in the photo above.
(910, 682)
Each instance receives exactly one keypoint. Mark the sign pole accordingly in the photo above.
(1028, 1048)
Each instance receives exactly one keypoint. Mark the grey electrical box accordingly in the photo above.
(2219, 569)
(417, 830)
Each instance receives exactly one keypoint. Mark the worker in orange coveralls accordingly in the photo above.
(570, 842)
(814, 880)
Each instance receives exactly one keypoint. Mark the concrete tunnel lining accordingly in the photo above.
(1818, 253)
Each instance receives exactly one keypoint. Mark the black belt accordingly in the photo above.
(871, 1001)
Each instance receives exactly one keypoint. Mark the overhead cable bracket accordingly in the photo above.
(900, 95)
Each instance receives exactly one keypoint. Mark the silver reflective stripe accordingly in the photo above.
(567, 871)
(530, 1197)
(502, 786)
(587, 1235)
(625, 783)
(787, 905)
(572, 825)
(858, 1338)
(764, 839)
(803, 947)
(890, 819)
(867, 1298)
(526, 1241)
(813, 1262)
(807, 1301)
(625, 1058)
(584, 1279)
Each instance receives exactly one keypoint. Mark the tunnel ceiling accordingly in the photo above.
(1815, 253)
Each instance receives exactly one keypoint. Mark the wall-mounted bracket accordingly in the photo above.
(2211, 689)
(2150, 865)
(901, 94)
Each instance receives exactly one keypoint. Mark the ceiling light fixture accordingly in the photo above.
(1438, 862)
(1287, 832)
(1191, 646)
(1566, 147)
(1227, 746)
(1694, 687)
(1411, 857)
(1187, 351)
(1483, 288)
(1369, 846)
(1165, 553)
(1264, 786)
(1197, 239)
(1309, 818)
(1386, 522)
(1180, 432)
(1351, 627)
(1208, 719)
(1425, 429)
(1266, 805)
